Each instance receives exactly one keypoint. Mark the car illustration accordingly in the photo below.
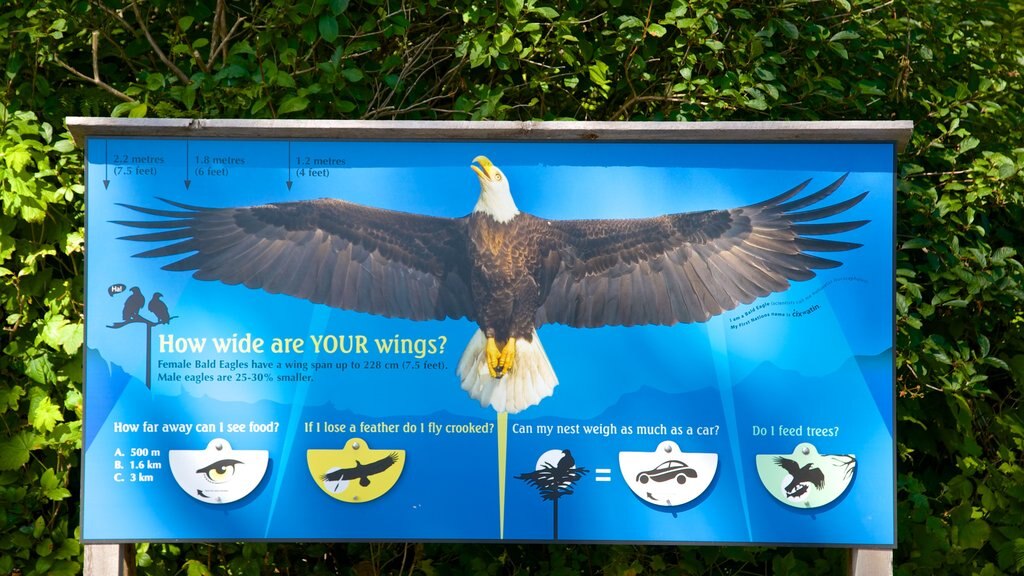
(668, 470)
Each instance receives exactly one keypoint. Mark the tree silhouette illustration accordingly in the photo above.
(556, 481)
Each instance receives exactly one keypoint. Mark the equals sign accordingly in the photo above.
(603, 474)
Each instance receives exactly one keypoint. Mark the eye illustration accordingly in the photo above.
(220, 471)
(218, 474)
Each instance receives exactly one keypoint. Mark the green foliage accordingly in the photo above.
(953, 67)
(40, 369)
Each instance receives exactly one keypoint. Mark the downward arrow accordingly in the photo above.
(106, 164)
(289, 181)
(187, 181)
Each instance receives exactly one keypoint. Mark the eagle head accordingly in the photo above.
(495, 195)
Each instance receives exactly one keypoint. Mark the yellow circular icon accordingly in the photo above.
(355, 474)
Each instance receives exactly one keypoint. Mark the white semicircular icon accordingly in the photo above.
(667, 476)
(218, 474)
(806, 479)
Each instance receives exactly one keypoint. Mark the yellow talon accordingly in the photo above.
(492, 357)
(500, 362)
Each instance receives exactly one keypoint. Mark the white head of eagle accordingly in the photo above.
(508, 272)
(495, 194)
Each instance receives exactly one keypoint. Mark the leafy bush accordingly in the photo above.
(952, 67)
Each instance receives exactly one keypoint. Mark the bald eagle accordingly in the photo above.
(508, 271)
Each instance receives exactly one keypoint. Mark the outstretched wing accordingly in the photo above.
(788, 465)
(378, 466)
(686, 267)
(330, 252)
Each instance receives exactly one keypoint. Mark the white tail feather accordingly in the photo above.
(531, 379)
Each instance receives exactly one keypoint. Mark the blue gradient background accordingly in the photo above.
(831, 368)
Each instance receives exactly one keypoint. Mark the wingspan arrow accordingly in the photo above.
(187, 181)
(106, 164)
(289, 181)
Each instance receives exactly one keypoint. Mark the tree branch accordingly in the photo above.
(95, 81)
(156, 48)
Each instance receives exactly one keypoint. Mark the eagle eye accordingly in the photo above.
(220, 471)
(497, 177)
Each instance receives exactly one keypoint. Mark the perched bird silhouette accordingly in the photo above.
(133, 304)
(801, 477)
(555, 481)
(508, 271)
(566, 462)
(362, 471)
(159, 309)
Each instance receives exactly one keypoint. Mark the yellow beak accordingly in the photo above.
(484, 170)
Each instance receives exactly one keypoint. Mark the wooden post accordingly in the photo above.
(870, 562)
(109, 560)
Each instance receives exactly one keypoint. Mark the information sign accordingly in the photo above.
(484, 340)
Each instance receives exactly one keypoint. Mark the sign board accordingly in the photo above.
(296, 337)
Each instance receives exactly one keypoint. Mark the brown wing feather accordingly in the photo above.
(685, 267)
(332, 252)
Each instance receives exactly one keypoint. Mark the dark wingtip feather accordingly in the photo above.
(813, 198)
(782, 197)
(155, 212)
(152, 223)
(818, 245)
(166, 235)
(828, 228)
(827, 211)
(183, 206)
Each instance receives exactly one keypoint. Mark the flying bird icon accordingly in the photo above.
(801, 477)
(508, 271)
(361, 472)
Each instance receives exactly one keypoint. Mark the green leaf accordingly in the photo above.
(64, 145)
(155, 81)
(52, 488)
(197, 568)
(61, 334)
(352, 74)
(984, 345)
(974, 534)
(40, 369)
(915, 243)
(788, 28)
(656, 30)
(14, 451)
(1017, 369)
(17, 158)
(9, 397)
(185, 22)
(338, 6)
(328, 26)
(293, 104)
(514, 7)
(42, 413)
(844, 35)
(138, 111)
(1018, 554)
(545, 12)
